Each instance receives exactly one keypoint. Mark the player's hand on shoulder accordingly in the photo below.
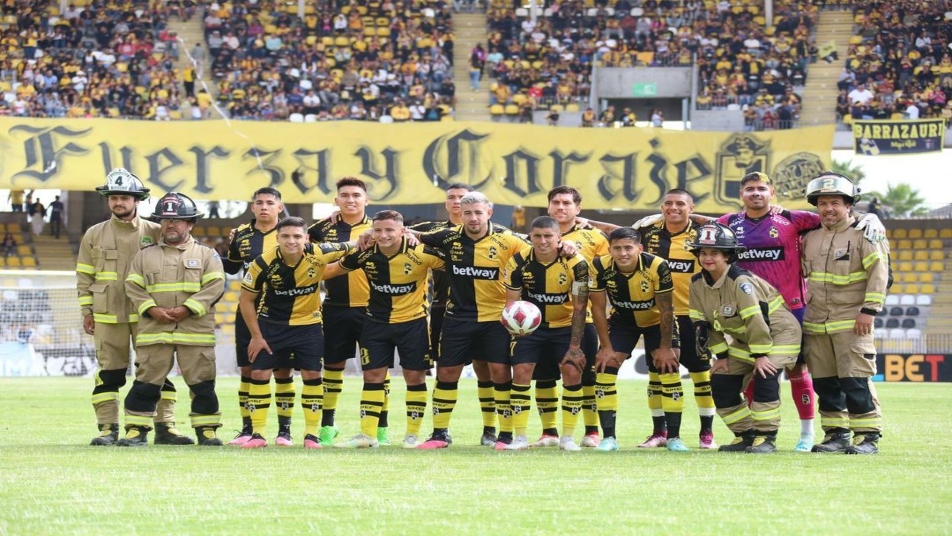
(873, 228)
(648, 221)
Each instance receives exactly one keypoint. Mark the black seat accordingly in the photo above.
(908, 323)
(878, 323)
(892, 323)
(895, 311)
(912, 311)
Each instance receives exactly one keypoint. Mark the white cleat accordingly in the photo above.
(569, 444)
(518, 443)
(546, 441)
(411, 441)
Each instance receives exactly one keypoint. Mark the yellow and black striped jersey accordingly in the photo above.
(397, 283)
(591, 243)
(291, 294)
(673, 248)
(474, 268)
(249, 242)
(345, 291)
(633, 295)
(549, 286)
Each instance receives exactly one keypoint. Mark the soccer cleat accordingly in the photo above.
(546, 441)
(805, 444)
(283, 440)
(311, 442)
(436, 441)
(591, 440)
(518, 443)
(327, 435)
(136, 436)
(243, 437)
(608, 444)
(410, 441)
(835, 442)
(207, 437)
(763, 444)
(654, 440)
(676, 445)
(359, 441)
(108, 435)
(256, 442)
(166, 434)
(706, 441)
(502, 442)
(488, 439)
(383, 436)
(568, 443)
(864, 444)
(739, 444)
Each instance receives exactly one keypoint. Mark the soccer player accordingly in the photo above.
(345, 302)
(765, 337)
(847, 277)
(640, 288)
(667, 238)
(174, 285)
(559, 287)
(475, 254)
(565, 204)
(108, 315)
(281, 303)
(249, 241)
(396, 320)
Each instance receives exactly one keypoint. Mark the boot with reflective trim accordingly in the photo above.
(108, 435)
(136, 436)
(864, 444)
(166, 434)
(207, 437)
(763, 444)
(835, 442)
(739, 444)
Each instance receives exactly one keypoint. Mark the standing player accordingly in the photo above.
(559, 287)
(101, 269)
(251, 240)
(847, 277)
(765, 337)
(396, 320)
(640, 288)
(174, 286)
(281, 303)
(345, 303)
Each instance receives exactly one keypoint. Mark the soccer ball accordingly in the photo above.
(521, 317)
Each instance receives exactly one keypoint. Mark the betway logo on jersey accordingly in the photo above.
(681, 267)
(395, 290)
(548, 299)
(635, 306)
(476, 273)
(761, 254)
(302, 291)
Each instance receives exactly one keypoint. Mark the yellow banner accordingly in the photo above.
(826, 49)
(628, 168)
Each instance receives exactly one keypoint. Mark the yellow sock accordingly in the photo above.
(654, 401)
(487, 403)
(547, 401)
(385, 410)
(259, 400)
(501, 394)
(371, 401)
(672, 401)
(702, 392)
(333, 385)
(416, 408)
(606, 391)
(243, 386)
(589, 409)
(521, 404)
(444, 400)
(312, 401)
(284, 396)
(571, 406)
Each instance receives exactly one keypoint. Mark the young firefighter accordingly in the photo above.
(559, 287)
(728, 301)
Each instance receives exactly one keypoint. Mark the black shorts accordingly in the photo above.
(545, 347)
(298, 347)
(409, 338)
(436, 327)
(242, 339)
(465, 340)
(546, 370)
(689, 358)
(342, 328)
(624, 337)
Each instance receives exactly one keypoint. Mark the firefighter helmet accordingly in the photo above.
(713, 235)
(830, 183)
(121, 182)
(175, 206)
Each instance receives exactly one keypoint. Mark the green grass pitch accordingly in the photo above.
(51, 482)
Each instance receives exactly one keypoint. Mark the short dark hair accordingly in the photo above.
(756, 176)
(460, 186)
(563, 189)
(624, 233)
(544, 222)
(388, 215)
(679, 191)
(267, 190)
(351, 181)
(292, 221)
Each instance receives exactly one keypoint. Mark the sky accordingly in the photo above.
(930, 173)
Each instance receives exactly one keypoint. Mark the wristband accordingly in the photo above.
(868, 311)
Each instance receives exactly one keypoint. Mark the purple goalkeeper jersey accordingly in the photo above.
(773, 249)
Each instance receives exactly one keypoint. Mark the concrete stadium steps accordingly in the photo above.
(819, 95)
(189, 33)
(469, 29)
(940, 316)
(52, 253)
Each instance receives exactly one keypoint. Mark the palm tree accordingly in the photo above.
(901, 200)
(854, 172)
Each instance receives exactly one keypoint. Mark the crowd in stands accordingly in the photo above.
(380, 61)
(899, 64)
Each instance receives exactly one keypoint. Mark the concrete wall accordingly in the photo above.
(719, 120)
(618, 83)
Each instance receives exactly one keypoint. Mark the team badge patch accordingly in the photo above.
(747, 288)
(146, 241)
(727, 310)
(191, 263)
(774, 233)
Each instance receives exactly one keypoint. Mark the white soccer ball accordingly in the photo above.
(521, 317)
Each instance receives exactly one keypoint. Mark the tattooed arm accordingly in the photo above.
(665, 358)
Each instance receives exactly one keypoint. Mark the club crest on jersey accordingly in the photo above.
(644, 286)
(562, 279)
(407, 269)
(739, 155)
(493, 252)
(773, 232)
(727, 310)
(311, 273)
(747, 288)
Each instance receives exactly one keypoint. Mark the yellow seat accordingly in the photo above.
(936, 255)
(900, 233)
(930, 233)
(3, 228)
(24, 251)
(945, 233)
(905, 255)
(892, 245)
(369, 31)
(28, 262)
(14, 228)
(13, 262)
(920, 255)
(341, 42)
(383, 32)
(915, 233)
(225, 231)
(909, 277)
(557, 108)
(512, 109)
(328, 41)
(928, 288)
(926, 277)
(904, 267)
(519, 98)
(497, 109)
(198, 230)
(920, 243)
(904, 244)
(3, 262)
(572, 107)
(311, 40)
(213, 231)
(896, 288)
(447, 119)
(935, 243)
(921, 266)
(936, 266)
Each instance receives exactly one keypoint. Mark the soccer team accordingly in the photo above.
(685, 283)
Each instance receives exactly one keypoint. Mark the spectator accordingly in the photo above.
(9, 245)
(57, 216)
(37, 214)
(16, 200)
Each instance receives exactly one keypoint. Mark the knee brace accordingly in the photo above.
(725, 389)
(829, 393)
(767, 389)
(143, 397)
(859, 400)
(205, 401)
(109, 380)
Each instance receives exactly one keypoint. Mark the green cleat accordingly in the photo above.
(327, 435)
(383, 436)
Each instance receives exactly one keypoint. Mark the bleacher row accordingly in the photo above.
(17, 256)
(23, 312)
(919, 259)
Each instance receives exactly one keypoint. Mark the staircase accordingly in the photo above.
(54, 253)
(189, 33)
(941, 314)
(469, 29)
(819, 95)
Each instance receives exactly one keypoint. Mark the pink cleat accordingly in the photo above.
(256, 442)
(655, 440)
(283, 440)
(312, 442)
(706, 441)
(591, 440)
(434, 442)
(240, 439)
